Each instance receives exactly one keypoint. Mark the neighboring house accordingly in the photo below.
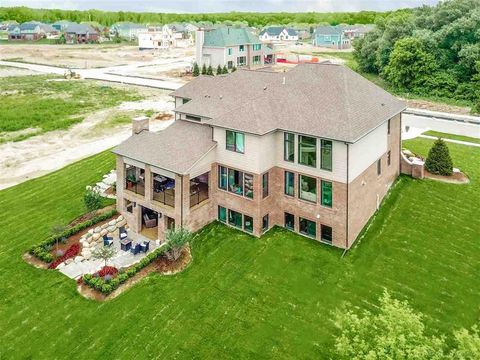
(340, 36)
(80, 34)
(165, 37)
(4, 25)
(61, 25)
(228, 46)
(278, 33)
(127, 30)
(304, 34)
(331, 37)
(314, 150)
(28, 31)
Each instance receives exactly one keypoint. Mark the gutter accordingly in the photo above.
(348, 202)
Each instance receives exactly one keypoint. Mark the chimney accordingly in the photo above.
(140, 124)
(199, 40)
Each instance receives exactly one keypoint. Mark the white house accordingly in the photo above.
(278, 33)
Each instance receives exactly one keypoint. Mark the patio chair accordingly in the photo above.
(145, 246)
(122, 233)
(149, 223)
(107, 240)
(135, 249)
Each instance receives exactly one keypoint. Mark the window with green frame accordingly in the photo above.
(289, 147)
(247, 223)
(222, 214)
(307, 151)
(307, 188)
(222, 177)
(327, 193)
(289, 183)
(307, 227)
(235, 218)
(326, 150)
(235, 141)
(229, 51)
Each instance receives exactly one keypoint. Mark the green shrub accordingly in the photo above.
(92, 200)
(196, 70)
(439, 160)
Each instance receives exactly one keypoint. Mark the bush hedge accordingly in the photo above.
(42, 250)
(107, 286)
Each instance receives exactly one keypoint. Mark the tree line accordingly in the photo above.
(22, 14)
(433, 51)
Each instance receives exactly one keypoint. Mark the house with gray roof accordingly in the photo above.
(27, 31)
(230, 46)
(278, 34)
(80, 34)
(340, 36)
(127, 30)
(314, 150)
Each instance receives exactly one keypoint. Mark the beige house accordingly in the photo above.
(314, 150)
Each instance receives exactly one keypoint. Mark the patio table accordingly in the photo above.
(126, 244)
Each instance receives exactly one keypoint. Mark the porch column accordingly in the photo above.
(120, 182)
(182, 203)
(148, 183)
(161, 227)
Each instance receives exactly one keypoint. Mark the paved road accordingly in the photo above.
(118, 74)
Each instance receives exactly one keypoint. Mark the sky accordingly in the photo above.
(202, 6)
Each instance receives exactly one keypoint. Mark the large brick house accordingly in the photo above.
(314, 150)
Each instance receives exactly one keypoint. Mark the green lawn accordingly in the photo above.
(452, 136)
(35, 104)
(242, 297)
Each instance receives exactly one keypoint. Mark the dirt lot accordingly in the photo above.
(86, 56)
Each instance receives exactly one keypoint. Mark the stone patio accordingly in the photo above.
(88, 265)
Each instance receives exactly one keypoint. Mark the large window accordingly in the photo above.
(247, 223)
(327, 193)
(308, 227)
(222, 178)
(235, 141)
(289, 183)
(326, 233)
(326, 146)
(235, 219)
(235, 181)
(248, 185)
(265, 223)
(257, 47)
(289, 147)
(307, 188)
(265, 185)
(289, 221)
(229, 51)
(241, 60)
(222, 214)
(256, 60)
(241, 48)
(307, 151)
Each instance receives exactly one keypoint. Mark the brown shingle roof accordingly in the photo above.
(177, 148)
(324, 100)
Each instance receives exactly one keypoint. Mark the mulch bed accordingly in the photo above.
(32, 260)
(455, 178)
(88, 216)
(162, 265)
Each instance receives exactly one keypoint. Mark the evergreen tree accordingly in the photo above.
(209, 70)
(234, 68)
(225, 70)
(204, 70)
(439, 160)
(196, 70)
(219, 70)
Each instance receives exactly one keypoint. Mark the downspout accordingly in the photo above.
(348, 202)
(181, 206)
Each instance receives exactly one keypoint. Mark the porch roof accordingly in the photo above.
(177, 148)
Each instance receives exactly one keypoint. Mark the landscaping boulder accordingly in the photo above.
(111, 229)
(112, 222)
(90, 232)
(97, 229)
(96, 236)
(103, 232)
(104, 226)
(122, 223)
(120, 218)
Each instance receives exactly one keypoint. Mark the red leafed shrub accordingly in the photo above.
(107, 270)
(72, 251)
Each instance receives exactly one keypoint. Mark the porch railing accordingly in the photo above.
(198, 197)
(167, 198)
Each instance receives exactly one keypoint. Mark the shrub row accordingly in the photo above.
(107, 286)
(71, 252)
(42, 250)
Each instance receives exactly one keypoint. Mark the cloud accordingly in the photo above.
(222, 5)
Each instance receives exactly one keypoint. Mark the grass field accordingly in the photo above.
(242, 297)
(452, 136)
(32, 105)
